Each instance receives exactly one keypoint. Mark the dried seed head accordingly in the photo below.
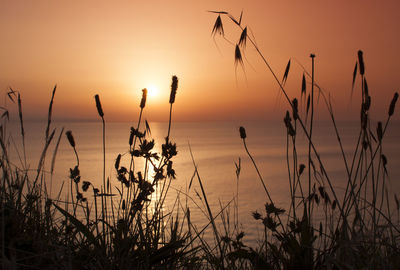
(238, 56)
(384, 160)
(144, 97)
(98, 106)
(85, 185)
(285, 75)
(287, 119)
(242, 132)
(70, 138)
(303, 86)
(393, 103)
(174, 87)
(218, 27)
(117, 161)
(256, 215)
(243, 38)
(123, 205)
(334, 204)
(379, 131)
(301, 169)
(361, 62)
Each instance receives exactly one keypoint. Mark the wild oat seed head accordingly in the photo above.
(174, 87)
(218, 27)
(144, 97)
(238, 56)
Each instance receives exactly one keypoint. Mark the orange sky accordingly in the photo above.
(116, 48)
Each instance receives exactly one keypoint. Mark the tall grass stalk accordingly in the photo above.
(310, 133)
(361, 215)
(210, 215)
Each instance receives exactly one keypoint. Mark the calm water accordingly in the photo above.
(216, 147)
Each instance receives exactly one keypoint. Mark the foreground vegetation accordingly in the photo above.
(125, 226)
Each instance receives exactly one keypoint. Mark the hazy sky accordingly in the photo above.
(116, 48)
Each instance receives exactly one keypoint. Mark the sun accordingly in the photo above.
(153, 91)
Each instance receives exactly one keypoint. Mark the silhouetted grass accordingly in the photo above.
(126, 226)
(358, 229)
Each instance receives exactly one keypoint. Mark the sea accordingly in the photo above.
(216, 150)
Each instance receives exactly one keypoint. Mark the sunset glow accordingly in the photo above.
(153, 91)
(179, 134)
(116, 50)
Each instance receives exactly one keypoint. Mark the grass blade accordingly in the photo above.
(284, 79)
(79, 225)
(50, 112)
(354, 78)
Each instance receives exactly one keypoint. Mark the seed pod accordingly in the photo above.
(361, 62)
(242, 132)
(117, 161)
(301, 169)
(123, 205)
(174, 87)
(256, 215)
(238, 56)
(334, 204)
(98, 105)
(303, 86)
(70, 138)
(384, 160)
(393, 103)
(287, 119)
(218, 27)
(243, 38)
(144, 97)
(85, 185)
(379, 131)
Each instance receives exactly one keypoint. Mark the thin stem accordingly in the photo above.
(301, 124)
(261, 179)
(169, 122)
(311, 130)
